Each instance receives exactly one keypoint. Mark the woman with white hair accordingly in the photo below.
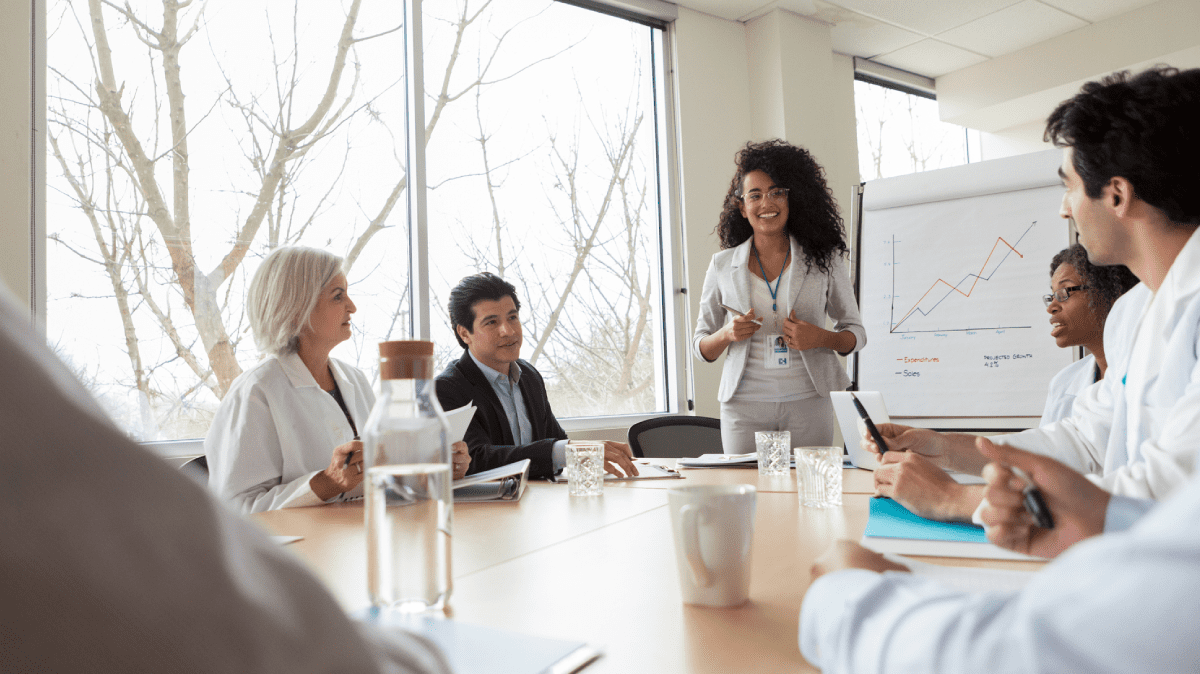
(286, 434)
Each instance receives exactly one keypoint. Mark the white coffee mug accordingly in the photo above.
(713, 527)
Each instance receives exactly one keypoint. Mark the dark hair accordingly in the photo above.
(1144, 128)
(813, 219)
(472, 290)
(1106, 283)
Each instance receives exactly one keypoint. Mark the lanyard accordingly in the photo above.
(778, 279)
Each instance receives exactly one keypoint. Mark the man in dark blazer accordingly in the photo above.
(513, 419)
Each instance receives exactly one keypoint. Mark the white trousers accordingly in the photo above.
(810, 422)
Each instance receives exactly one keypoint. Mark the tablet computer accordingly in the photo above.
(848, 421)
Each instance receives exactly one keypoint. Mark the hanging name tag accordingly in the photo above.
(776, 353)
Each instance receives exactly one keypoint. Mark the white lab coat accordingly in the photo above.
(276, 429)
(115, 562)
(1066, 387)
(1137, 430)
(1123, 602)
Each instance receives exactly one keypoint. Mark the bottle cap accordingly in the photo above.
(412, 359)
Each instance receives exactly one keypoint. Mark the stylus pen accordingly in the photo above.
(731, 310)
(862, 412)
(1034, 502)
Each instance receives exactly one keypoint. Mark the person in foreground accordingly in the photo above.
(1081, 296)
(513, 419)
(1124, 601)
(286, 433)
(115, 562)
(781, 266)
(1130, 172)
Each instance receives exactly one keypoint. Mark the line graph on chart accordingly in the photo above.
(979, 283)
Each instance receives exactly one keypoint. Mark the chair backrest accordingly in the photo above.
(197, 469)
(675, 437)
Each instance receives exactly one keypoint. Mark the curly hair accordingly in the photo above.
(1106, 283)
(1144, 128)
(813, 219)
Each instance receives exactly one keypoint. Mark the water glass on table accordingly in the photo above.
(820, 473)
(774, 452)
(585, 468)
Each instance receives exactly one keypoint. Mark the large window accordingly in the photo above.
(901, 133)
(186, 141)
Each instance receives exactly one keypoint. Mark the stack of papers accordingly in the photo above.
(720, 461)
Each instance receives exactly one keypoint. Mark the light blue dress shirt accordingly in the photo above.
(508, 390)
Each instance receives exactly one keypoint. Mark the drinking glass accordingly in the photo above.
(774, 451)
(820, 473)
(585, 468)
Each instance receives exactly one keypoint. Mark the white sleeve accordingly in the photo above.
(245, 460)
(711, 316)
(841, 306)
(1081, 440)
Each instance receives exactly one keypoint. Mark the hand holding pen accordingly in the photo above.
(1020, 485)
(743, 325)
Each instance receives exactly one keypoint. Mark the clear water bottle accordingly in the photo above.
(409, 503)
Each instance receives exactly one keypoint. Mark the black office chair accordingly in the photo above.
(675, 437)
(197, 469)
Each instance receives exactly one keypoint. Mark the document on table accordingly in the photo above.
(646, 471)
(893, 528)
(748, 460)
(473, 649)
(965, 578)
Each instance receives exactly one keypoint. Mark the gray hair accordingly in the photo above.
(283, 294)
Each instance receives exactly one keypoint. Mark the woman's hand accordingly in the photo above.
(802, 335)
(740, 328)
(460, 459)
(345, 471)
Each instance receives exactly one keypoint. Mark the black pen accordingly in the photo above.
(862, 412)
(349, 456)
(1035, 504)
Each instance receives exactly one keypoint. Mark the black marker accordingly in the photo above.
(862, 412)
(1034, 503)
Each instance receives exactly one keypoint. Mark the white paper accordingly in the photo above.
(967, 579)
(459, 420)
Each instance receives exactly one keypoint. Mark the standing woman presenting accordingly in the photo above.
(781, 266)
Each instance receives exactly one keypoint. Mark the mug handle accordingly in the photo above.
(688, 516)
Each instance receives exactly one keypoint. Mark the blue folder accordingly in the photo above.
(892, 520)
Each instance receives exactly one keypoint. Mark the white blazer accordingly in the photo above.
(1070, 381)
(276, 428)
(814, 294)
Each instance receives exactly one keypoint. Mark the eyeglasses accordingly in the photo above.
(775, 194)
(1062, 294)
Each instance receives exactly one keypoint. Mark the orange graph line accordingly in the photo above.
(999, 240)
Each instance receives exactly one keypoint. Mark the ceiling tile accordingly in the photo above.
(1097, 10)
(927, 17)
(930, 58)
(732, 10)
(853, 33)
(1012, 28)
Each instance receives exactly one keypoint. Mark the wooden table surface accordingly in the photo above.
(602, 570)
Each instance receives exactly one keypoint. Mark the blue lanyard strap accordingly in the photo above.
(778, 279)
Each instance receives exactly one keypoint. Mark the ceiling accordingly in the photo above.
(931, 37)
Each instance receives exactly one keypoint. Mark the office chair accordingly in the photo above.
(675, 437)
(197, 469)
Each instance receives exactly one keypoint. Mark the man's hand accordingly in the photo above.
(460, 459)
(618, 455)
(917, 484)
(740, 328)
(845, 554)
(1077, 505)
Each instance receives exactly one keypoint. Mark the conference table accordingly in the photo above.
(602, 569)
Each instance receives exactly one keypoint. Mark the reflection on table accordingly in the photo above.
(602, 569)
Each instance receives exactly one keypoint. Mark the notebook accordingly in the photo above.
(893, 528)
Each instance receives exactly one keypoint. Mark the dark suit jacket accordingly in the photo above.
(489, 437)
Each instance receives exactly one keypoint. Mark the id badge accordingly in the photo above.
(776, 353)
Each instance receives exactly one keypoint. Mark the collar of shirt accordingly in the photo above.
(513, 376)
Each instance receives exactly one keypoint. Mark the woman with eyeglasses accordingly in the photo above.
(766, 297)
(1081, 296)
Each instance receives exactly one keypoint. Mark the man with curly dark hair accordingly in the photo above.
(781, 269)
(1118, 602)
